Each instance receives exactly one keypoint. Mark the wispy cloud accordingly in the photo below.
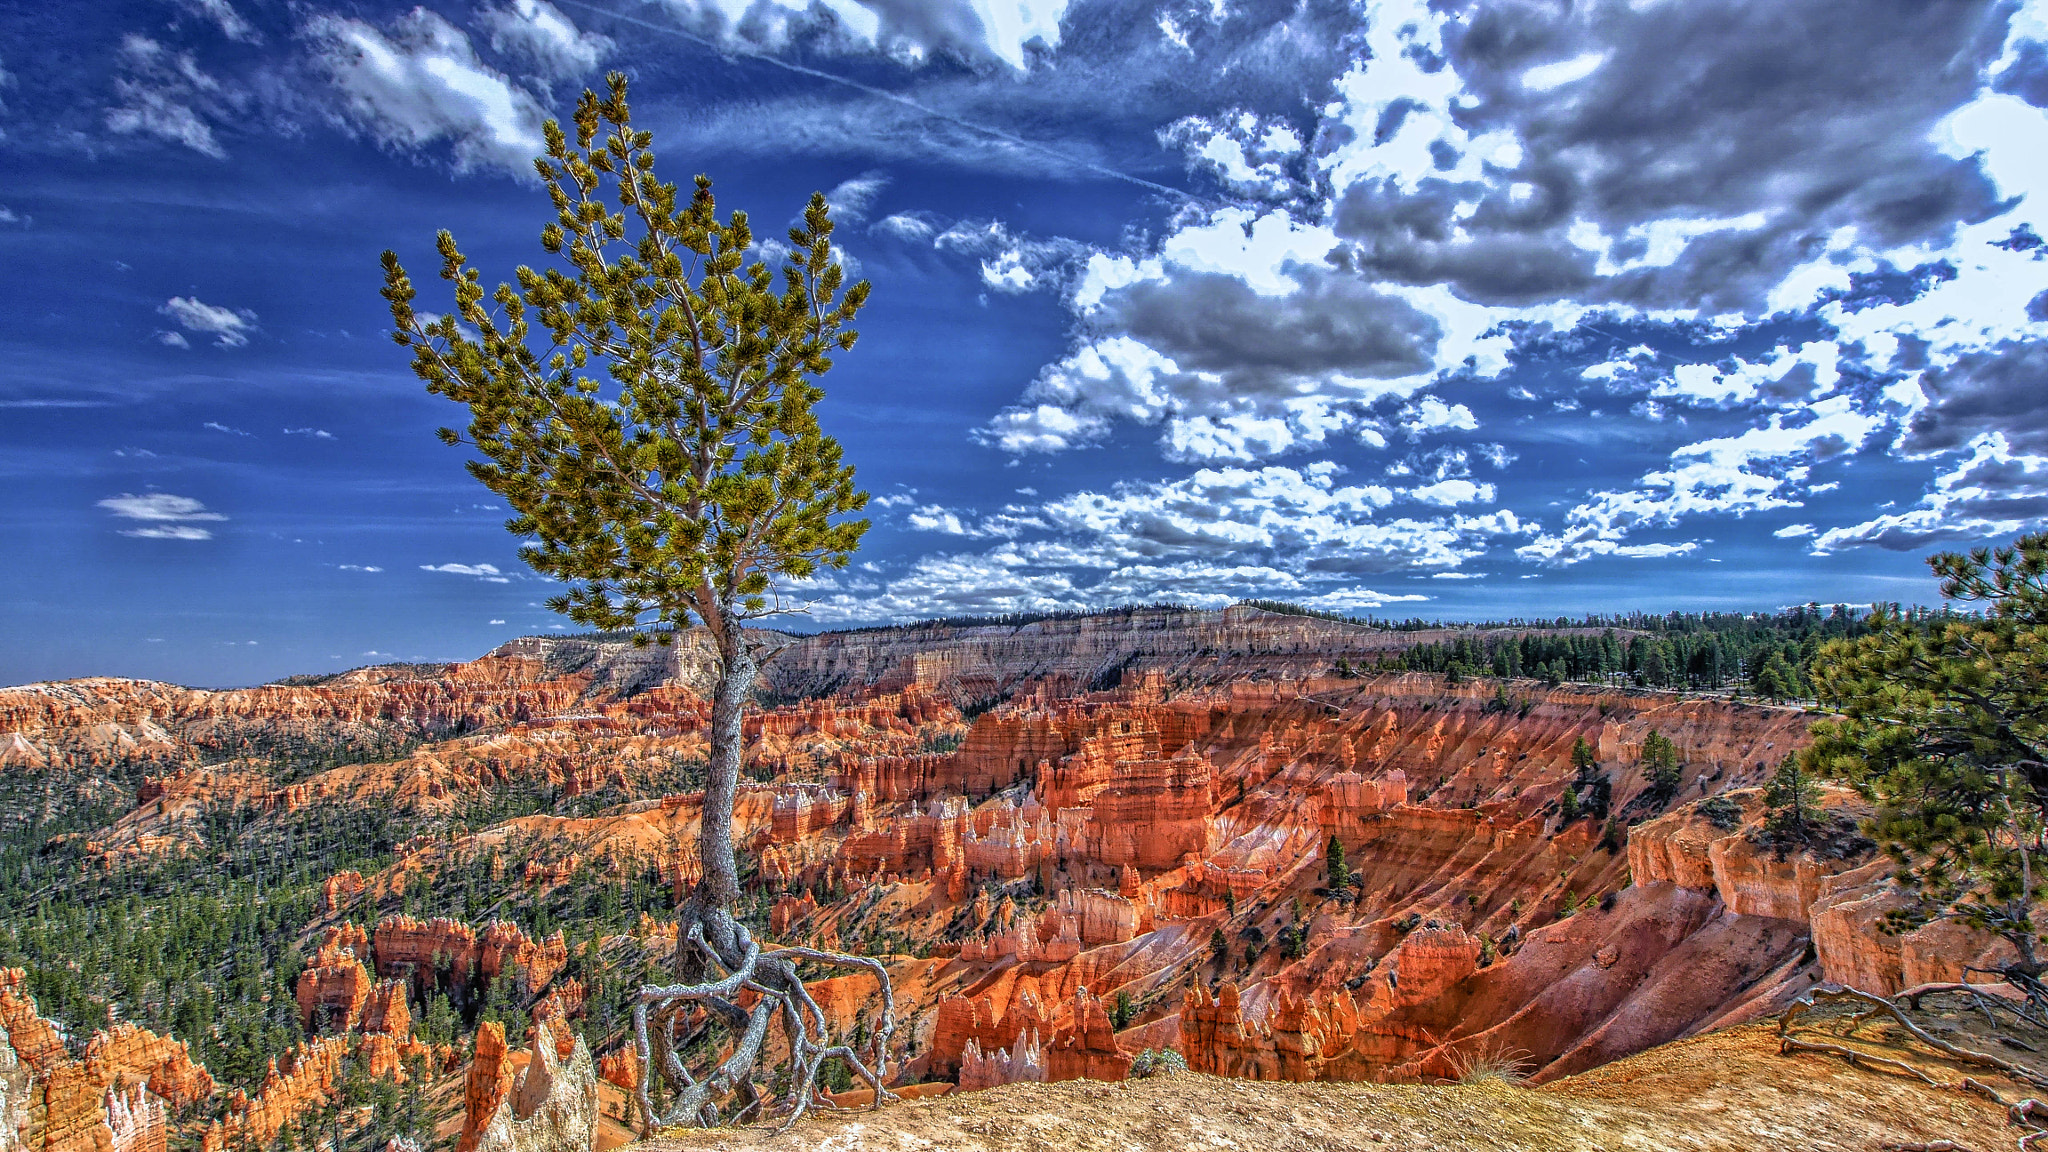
(166, 95)
(909, 227)
(231, 23)
(164, 516)
(315, 433)
(217, 426)
(230, 327)
(851, 199)
(486, 572)
(906, 33)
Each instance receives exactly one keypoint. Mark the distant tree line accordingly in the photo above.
(1767, 654)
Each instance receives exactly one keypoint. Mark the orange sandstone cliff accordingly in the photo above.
(1071, 840)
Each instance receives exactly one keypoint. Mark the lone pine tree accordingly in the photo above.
(645, 407)
(1660, 766)
(1944, 722)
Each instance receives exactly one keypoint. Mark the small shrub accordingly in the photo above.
(1583, 758)
(1506, 1065)
(1721, 812)
(1792, 801)
(1293, 942)
(1158, 1062)
(1660, 767)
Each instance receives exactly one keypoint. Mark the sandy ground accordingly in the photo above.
(1726, 1090)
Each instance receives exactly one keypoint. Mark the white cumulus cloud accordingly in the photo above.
(548, 40)
(420, 82)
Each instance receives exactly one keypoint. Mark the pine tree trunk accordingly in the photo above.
(720, 886)
(715, 955)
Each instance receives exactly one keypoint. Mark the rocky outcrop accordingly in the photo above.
(1135, 819)
(1832, 885)
(620, 1068)
(1856, 947)
(17, 1087)
(1086, 1048)
(34, 1042)
(131, 1054)
(337, 994)
(136, 1121)
(447, 954)
(1008, 1032)
(302, 1080)
(1024, 1062)
(993, 1019)
(104, 720)
(487, 1086)
(66, 1101)
(340, 891)
(1752, 878)
(552, 1107)
(335, 986)
(1212, 1034)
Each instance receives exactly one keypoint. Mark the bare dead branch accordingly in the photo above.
(1878, 1004)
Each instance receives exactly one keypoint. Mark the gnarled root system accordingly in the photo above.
(711, 941)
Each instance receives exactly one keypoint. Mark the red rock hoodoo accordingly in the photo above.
(1070, 840)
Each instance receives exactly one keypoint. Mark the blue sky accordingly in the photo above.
(1408, 307)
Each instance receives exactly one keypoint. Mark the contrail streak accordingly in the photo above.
(884, 94)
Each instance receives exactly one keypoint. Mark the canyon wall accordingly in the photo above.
(1071, 840)
(110, 1099)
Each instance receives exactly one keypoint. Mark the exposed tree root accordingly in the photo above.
(1878, 1005)
(1790, 1044)
(781, 998)
(1985, 997)
(2030, 988)
(2027, 1113)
